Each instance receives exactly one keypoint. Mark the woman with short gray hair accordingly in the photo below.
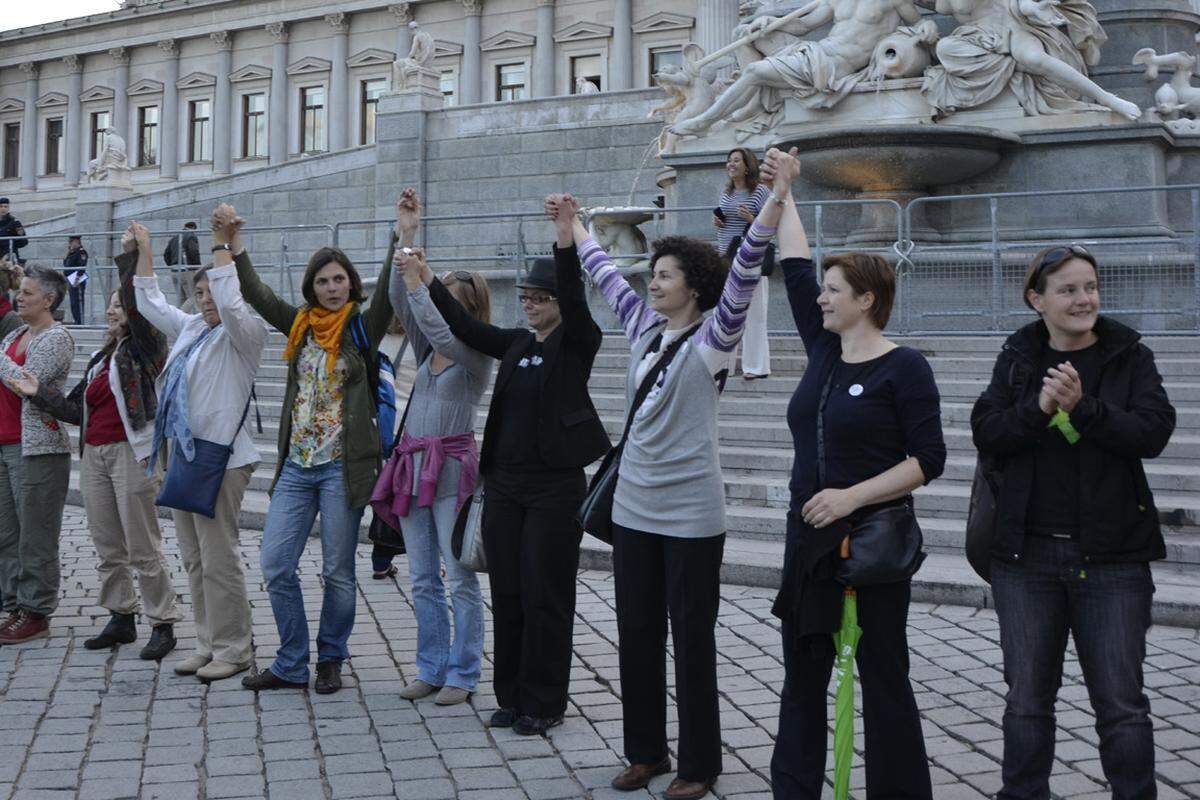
(35, 461)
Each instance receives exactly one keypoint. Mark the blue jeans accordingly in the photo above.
(299, 494)
(427, 533)
(1106, 607)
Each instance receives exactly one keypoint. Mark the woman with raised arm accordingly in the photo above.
(872, 408)
(202, 393)
(669, 504)
(329, 453)
(541, 431)
(114, 406)
(434, 468)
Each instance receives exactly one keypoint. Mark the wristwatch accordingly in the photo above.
(219, 247)
(782, 201)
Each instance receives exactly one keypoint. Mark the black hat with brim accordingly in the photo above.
(540, 276)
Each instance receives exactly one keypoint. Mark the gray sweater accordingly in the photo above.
(48, 357)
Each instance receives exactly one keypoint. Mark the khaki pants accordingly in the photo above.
(119, 499)
(209, 548)
(29, 528)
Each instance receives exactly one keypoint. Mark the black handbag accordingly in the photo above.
(595, 513)
(195, 485)
(981, 516)
(885, 543)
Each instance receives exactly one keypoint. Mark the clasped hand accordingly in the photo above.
(1061, 388)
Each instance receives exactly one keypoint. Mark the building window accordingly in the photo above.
(510, 81)
(371, 91)
(449, 87)
(12, 149)
(100, 121)
(661, 57)
(147, 136)
(54, 146)
(199, 130)
(312, 119)
(254, 125)
(585, 68)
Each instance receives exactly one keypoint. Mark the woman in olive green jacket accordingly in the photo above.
(329, 455)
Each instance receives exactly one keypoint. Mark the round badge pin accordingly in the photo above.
(856, 390)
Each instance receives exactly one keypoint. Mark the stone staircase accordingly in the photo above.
(756, 455)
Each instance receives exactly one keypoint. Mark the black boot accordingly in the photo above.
(121, 629)
(162, 641)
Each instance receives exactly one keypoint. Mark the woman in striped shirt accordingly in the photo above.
(740, 203)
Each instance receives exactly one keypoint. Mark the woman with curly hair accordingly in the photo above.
(669, 505)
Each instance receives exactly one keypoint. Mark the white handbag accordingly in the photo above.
(466, 543)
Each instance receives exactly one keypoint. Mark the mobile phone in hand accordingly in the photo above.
(719, 213)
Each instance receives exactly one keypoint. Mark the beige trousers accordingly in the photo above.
(119, 499)
(209, 548)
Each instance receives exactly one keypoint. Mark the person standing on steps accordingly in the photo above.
(75, 271)
(114, 406)
(35, 452)
(180, 264)
(541, 431)
(329, 454)
(1074, 406)
(202, 391)
(873, 409)
(434, 468)
(744, 196)
(12, 234)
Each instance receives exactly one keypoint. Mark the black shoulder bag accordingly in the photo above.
(885, 544)
(595, 514)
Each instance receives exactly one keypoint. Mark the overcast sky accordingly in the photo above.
(20, 13)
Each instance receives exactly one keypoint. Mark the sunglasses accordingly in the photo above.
(1057, 256)
(463, 276)
(534, 299)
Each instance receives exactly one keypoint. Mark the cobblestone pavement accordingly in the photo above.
(75, 723)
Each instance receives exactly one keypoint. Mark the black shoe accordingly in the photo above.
(329, 677)
(162, 641)
(503, 718)
(121, 629)
(266, 680)
(536, 726)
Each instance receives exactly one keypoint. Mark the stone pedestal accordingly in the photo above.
(418, 89)
(94, 212)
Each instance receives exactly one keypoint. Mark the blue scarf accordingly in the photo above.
(171, 422)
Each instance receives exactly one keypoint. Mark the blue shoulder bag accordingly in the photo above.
(382, 377)
(195, 485)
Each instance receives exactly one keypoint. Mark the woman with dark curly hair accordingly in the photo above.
(669, 505)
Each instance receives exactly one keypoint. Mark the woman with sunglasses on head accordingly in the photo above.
(668, 510)
(541, 431)
(1074, 406)
(433, 469)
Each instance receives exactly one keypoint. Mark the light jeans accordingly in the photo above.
(299, 494)
(440, 662)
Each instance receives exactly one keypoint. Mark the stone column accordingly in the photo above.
(715, 21)
(120, 115)
(74, 121)
(29, 133)
(471, 75)
(168, 152)
(620, 60)
(543, 51)
(404, 15)
(338, 112)
(277, 120)
(222, 105)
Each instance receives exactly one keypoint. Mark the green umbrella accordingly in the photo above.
(846, 642)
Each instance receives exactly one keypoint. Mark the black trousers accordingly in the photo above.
(532, 545)
(657, 576)
(896, 765)
(76, 293)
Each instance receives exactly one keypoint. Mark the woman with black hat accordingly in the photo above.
(541, 431)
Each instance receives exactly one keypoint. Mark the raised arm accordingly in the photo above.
(247, 333)
(488, 339)
(800, 278)
(148, 344)
(408, 219)
(279, 313)
(579, 328)
(152, 305)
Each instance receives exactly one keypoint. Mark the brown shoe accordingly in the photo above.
(10, 620)
(688, 790)
(637, 776)
(28, 626)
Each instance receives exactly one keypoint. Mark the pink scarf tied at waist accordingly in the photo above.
(393, 491)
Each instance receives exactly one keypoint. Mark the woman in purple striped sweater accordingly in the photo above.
(669, 504)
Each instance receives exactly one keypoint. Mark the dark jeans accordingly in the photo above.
(895, 746)
(656, 576)
(77, 293)
(532, 544)
(1106, 607)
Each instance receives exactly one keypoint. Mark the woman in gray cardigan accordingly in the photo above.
(669, 505)
(35, 461)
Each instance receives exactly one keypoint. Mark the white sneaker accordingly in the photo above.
(418, 689)
(219, 670)
(189, 666)
(451, 696)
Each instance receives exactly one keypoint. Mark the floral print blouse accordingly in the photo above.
(317, 414)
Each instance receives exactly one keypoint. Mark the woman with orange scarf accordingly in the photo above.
(328, 459)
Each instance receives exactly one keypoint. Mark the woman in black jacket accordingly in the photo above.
(1074, 405)
(541, 431)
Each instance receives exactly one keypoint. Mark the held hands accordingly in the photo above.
(780, 169)
(25, 385)
(1061, 388)
(828, 506)
(563, 210)
(227, 226)
(408, 212)
(136, 237)
(410, 263)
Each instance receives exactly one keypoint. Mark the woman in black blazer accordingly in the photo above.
(541, 431)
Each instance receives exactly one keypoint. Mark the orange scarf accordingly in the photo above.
(326, 327)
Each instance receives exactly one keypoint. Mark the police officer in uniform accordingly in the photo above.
(75, 271)
(10, 226)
